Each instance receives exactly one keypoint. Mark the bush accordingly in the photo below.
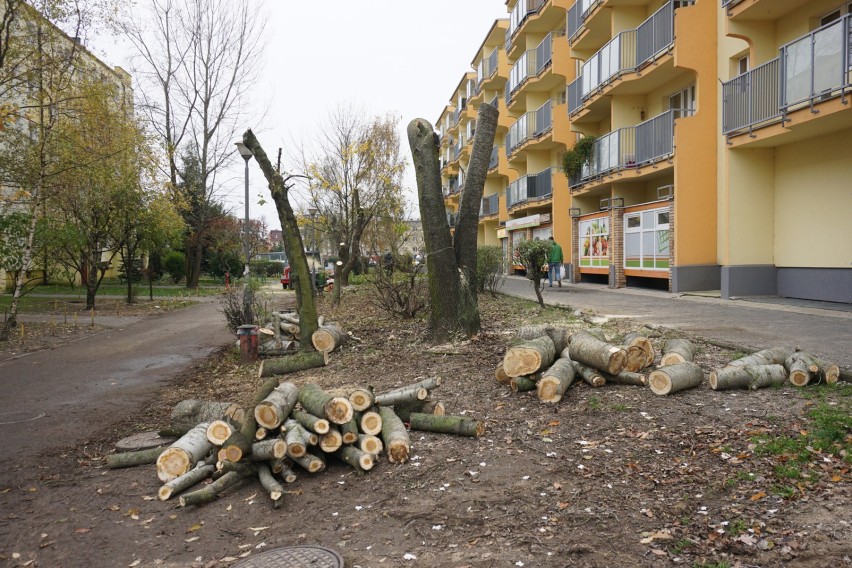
(532, 255)
(174, 263)
(233, 306)
(402, 294)
(489, 269)
(265, 268)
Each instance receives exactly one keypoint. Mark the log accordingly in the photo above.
(208, 493)
(636, 339)
(276, 492)
(425, 406)
(181, 456)
(349, 432)
(501, 375)
(298, 361)
(260, 434)
(131, 459)
(295, 439)
(829, 372)
(370, 421)
(370, 444)
(249, 426)
(403, 395)
(245, 469)
(185, 481)
(218, 432)
(747, 377)
(802, 368)
(560, 335)
(554, 382)
(590, 375)
(362, 399)
(359, 460)
(458, 425)
(287, 474)
(677, 351)
(524, 384)
(674, 378)
(319, 403)
(310, 422)
(276, 407)
(291, 329)
(627, 378)
(273, 449)
(331, 441)
(592, 352)
(636, 358)
(528, 357)
(289, 317)
(187, 414)
(771, 356)
(429, 384)
(236, 447)
(394, 436)
(310, 463)
(328, 337)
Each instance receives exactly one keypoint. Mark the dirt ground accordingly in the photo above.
(614, 476)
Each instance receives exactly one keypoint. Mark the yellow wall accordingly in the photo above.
(626, 110)
(749, 208)
(812, 203)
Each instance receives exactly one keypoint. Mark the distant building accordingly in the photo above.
(412, 240)
(275, 238)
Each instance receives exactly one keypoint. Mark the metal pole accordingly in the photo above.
(313, 252)
(247, 300)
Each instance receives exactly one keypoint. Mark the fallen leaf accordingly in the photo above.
(195, 527)
(253, 495)
(82, 530)
(553, 423)
(757, 496)
(659, 552)
(258, 528)
(229, 559)
(836, 478)
(563, 505)
(192, 539)
(148, 498)
(246, 553)
(134, 563)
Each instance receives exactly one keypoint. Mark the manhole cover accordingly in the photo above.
(294, 557)
(142, 441)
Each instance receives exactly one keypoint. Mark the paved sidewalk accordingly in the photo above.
(822, 328)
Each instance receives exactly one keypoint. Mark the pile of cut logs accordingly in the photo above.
(282, 335)
(549, 359)
(288, 426)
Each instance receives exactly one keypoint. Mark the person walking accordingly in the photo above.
(554, 264)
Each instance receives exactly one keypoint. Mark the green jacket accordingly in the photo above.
(555, 254)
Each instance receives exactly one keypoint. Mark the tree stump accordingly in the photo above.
(677, 351)
(528, 357)
(674, 378)
(555, 381)
(592, 352)
(328, 337)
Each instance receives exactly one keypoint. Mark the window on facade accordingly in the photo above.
(646, 240)
(594, 243)
(683, 102)
(742, 65)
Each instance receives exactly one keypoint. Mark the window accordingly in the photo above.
(646, 240)
(742, 65)
(683, 102)
(594, 243)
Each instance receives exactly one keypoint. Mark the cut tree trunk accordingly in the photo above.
(402, 396)
(235, 447)
(524, 384)
(209, 493)
(425, 406)
(429, 384)
(349, 432)
(555, 381)
(394, 436)
(218, 432)
(310, 422)
(187, 414)
(829, 372)
(747, 377)
(267, 450)
(674, 378)
(592, 376)
(558, 334)
(356, 458)
(291, 317)
(458, 425)
(771, 356)
(290, 329)
(287, 474)
(331, 441)
(370, 444)
(500, 374)
(310, 463)
(291, 363)
(319, 403)
(627, 378)
(273, 488)
(528, 357)
(677, 351)
(591, 351)
(295, 438)
(636, 339)
(181, 456)
(276, 407)
(328, 337)
(131, 459)
(185, 481)
(802, 368)
(260, 434)
(370, 421)
(362, 399)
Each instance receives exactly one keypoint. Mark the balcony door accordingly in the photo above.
(683, 102)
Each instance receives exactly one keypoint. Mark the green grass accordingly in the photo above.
(784, 491)
(112, 288)
(680, 546)
(594, 403)
(736, 528)
(620, 407)
(722, 564)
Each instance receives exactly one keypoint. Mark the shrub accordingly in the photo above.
(265, 268)
(532, 255)
(489, 269)
(233, 306)
(401, 294)
(174, 263)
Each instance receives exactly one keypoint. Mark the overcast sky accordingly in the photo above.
(399, 56)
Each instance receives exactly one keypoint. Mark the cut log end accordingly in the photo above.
(218, 432)
(339, 410)
(675, 378)
(361, 399)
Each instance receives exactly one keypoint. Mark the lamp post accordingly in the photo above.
(245, 152)
(312, 213)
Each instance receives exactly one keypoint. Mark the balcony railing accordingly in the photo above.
(730, 3)
(455, 151)
(489, 206)
(530, 188)
(575, 95)
(631, 147)
(531, 125)
(522, 10)
(628, 51)
(486, 68)
(810, 69)
(531, 64)
(495, 158)
(577, 15)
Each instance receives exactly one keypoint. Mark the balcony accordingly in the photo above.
(630, 148)
(452, 219)
(530, 188)
(453, 187)
(522, 10)
(529, 126)
(490, 205)
(486, 69)
(577, 16)
(530, 64)
(808, 71)
(495, 158)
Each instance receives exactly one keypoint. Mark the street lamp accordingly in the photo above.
(312, 213)
(245, 152)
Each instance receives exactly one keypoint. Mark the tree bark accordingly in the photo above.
(802, 368)
(500, 374)
(310, 422)
(187, 414)
(292, 363)
(178, 458)
(331, 441)
(587, 349)
(528, 357)
(273, 488)
(293, 245)
(276, 407)
(209, 493)
(771, 356)
(356, 458)
(747, 377)
(185, 481)
(328, 337)
(674, 378)
(829, 372)
(458, 425)
(267, 450)
(524, 384)
(249, 427)
(627, 378)
(423, 406)
(349, 432)
(677, 351)
(402, 396)
(555, 381)
(295, 436)
(310, 463)
(394, 436)
(559, 334)
(591, 375)
(235, 447)
(319, 403)
(132, 459)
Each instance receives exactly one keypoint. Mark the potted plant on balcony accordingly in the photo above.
(577, 156)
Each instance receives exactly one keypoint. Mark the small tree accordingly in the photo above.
(532, 255)
(175, 265)
(489, 269)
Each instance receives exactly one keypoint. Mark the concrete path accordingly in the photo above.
(61, 394)
(822, 328)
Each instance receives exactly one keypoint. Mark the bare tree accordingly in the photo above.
(451, 259)
(198, 59)
(356, 177)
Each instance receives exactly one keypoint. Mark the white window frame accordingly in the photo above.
(641, 230)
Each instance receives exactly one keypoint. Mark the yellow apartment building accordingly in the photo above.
(713, 129)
